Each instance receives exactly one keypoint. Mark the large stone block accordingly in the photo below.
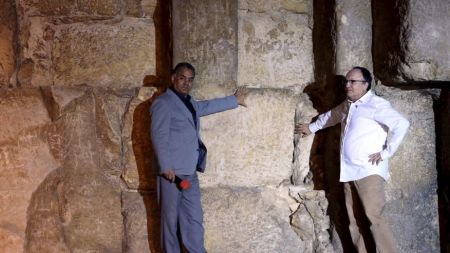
(411, 191)
(275, 49)
(254, 145)
(205, 35)
(8, 27)
(69, 7)
(28, 141)
(353, 35)
(139, 161)
(115, 55)
(248, 220)
(411, 40)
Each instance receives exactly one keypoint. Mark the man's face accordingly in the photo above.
(182, 81)
(355, 86)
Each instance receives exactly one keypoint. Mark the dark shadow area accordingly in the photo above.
(326, 93)
(141, 138)
(442, 120)
(389, 30)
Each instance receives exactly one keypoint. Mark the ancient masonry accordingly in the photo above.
(77, 170)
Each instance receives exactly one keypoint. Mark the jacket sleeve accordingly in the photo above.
(160, 128)
(207, 107)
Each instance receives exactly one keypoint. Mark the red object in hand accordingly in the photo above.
(183, 184)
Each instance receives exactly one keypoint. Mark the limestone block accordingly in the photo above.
(8, 23)
(247, 220)
(411, 191)
(251, 146)
(415, 45)
(295, 6)
(275, 49)
(67, 7)
(116, 55)
(139, 161)
(353, 35)
(26, 157)
(206, 36)
(141, 8)
(90, 202)
(141, 219)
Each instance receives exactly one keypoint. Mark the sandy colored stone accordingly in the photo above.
(115, 55)
(411, 190)
(139, 161)
(67, 7)
(8, 28)
(206, 37)
(353, 35)
(251, 146)
(416, 49)
(275, 50)
(296, 6)
(27, 154)
(245, 220)
(141, 220)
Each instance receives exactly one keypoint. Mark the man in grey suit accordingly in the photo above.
(175, 124)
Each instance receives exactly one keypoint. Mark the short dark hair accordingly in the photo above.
(366, 75)
(183, 65)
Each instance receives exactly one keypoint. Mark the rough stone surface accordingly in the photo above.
(411, 191)
(275, 49)
(248, 220)
(141, 221)
(416, 49)
(117, 55)
(353, 35)
(140, 165)
(8, 23)
(206, 36)
(29, 148)
(251, 146)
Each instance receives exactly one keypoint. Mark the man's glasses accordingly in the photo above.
(353, 81)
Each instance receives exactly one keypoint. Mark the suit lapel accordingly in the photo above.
(181, 106)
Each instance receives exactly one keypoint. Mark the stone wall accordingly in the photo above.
(77, 168)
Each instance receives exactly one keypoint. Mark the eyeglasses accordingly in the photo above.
(353, 81)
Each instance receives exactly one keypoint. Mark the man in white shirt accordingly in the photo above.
(366, 122)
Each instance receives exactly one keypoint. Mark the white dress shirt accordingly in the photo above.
(365, 125)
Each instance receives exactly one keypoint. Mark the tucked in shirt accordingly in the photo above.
(368, 125)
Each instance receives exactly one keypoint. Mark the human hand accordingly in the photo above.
(303, 129)
(375, 158)
(169, 175)
(241, 94)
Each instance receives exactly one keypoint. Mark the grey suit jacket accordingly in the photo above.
(174, 135)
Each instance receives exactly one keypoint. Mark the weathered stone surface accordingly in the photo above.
(310, 220)
(275, 49)
(206, 37)
(248, 220)
(411, 40)
(251, 146)
(8, 22)
(140, 165)
(411, 191)
(68, 7)
(296, 6)
(116, 55)
(86, 189)
(353, 35)
(29, 148)
(141, 8)
(141, 221)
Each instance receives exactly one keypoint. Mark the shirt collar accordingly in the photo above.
(362, 99)
(181, 96)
